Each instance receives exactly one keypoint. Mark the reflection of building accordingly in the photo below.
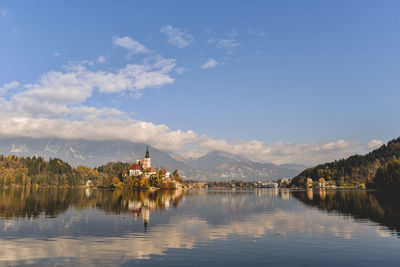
(310, 194)
(88, 192)
(145, 204)
(285, 193)
(322, 193)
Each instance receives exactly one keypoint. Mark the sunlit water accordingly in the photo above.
(252, 228)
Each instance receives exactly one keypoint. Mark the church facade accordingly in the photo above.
(142, 166)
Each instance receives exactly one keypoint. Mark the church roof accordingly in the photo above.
(150, 170)
(136, 167)
(163, 172)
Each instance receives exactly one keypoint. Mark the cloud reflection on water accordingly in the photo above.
(263, 214)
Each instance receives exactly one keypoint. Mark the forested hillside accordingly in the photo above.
(356, 169)
(26, 171)
(36, 171)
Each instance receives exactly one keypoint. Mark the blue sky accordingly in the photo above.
(277, 81)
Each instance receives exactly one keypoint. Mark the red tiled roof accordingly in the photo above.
(150, 170)
(163, 172)
(136, 167)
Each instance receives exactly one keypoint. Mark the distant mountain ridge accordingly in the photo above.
(245, 171)
(214, 159)
(85, 152)
(215, 165)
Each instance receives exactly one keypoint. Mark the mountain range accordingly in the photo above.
(215, 165)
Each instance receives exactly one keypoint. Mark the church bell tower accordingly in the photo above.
(147, 159)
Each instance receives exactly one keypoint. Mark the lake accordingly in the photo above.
(49, 227)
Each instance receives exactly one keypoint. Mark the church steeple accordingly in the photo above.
(147, 159)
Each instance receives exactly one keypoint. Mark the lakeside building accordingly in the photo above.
(135, 170)
(166, 174)
(144, 167)
(149, 172)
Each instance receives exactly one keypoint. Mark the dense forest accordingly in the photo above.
(388, 175)
(380, 167)
(36, 171)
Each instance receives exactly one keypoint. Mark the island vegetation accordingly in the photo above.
(37, 172)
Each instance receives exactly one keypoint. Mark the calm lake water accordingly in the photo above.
(199, 228)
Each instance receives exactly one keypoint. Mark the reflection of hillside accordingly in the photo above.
(382, 207)
(186, 230)
(30, 203)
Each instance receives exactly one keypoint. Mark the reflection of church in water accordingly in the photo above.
(143, 207)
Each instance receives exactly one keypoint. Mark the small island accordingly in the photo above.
(37, 172)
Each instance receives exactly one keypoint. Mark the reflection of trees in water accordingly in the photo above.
(30, 203)
(382, 207)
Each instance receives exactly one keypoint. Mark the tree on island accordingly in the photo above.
(176, 176)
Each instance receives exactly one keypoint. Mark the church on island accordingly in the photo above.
(144, 167)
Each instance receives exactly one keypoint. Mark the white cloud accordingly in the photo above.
(228, 45)
(8, 86)
(4, 12)
(59, 94)
(180, 70)
(7, 19)
(56, 54)
(130, 44)
(101, 59)
(259, 33)
(177, 37)
(54, 105)
(375, 144)
(95, 128)
(224, 43)
(279, 153)
(211, 63)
